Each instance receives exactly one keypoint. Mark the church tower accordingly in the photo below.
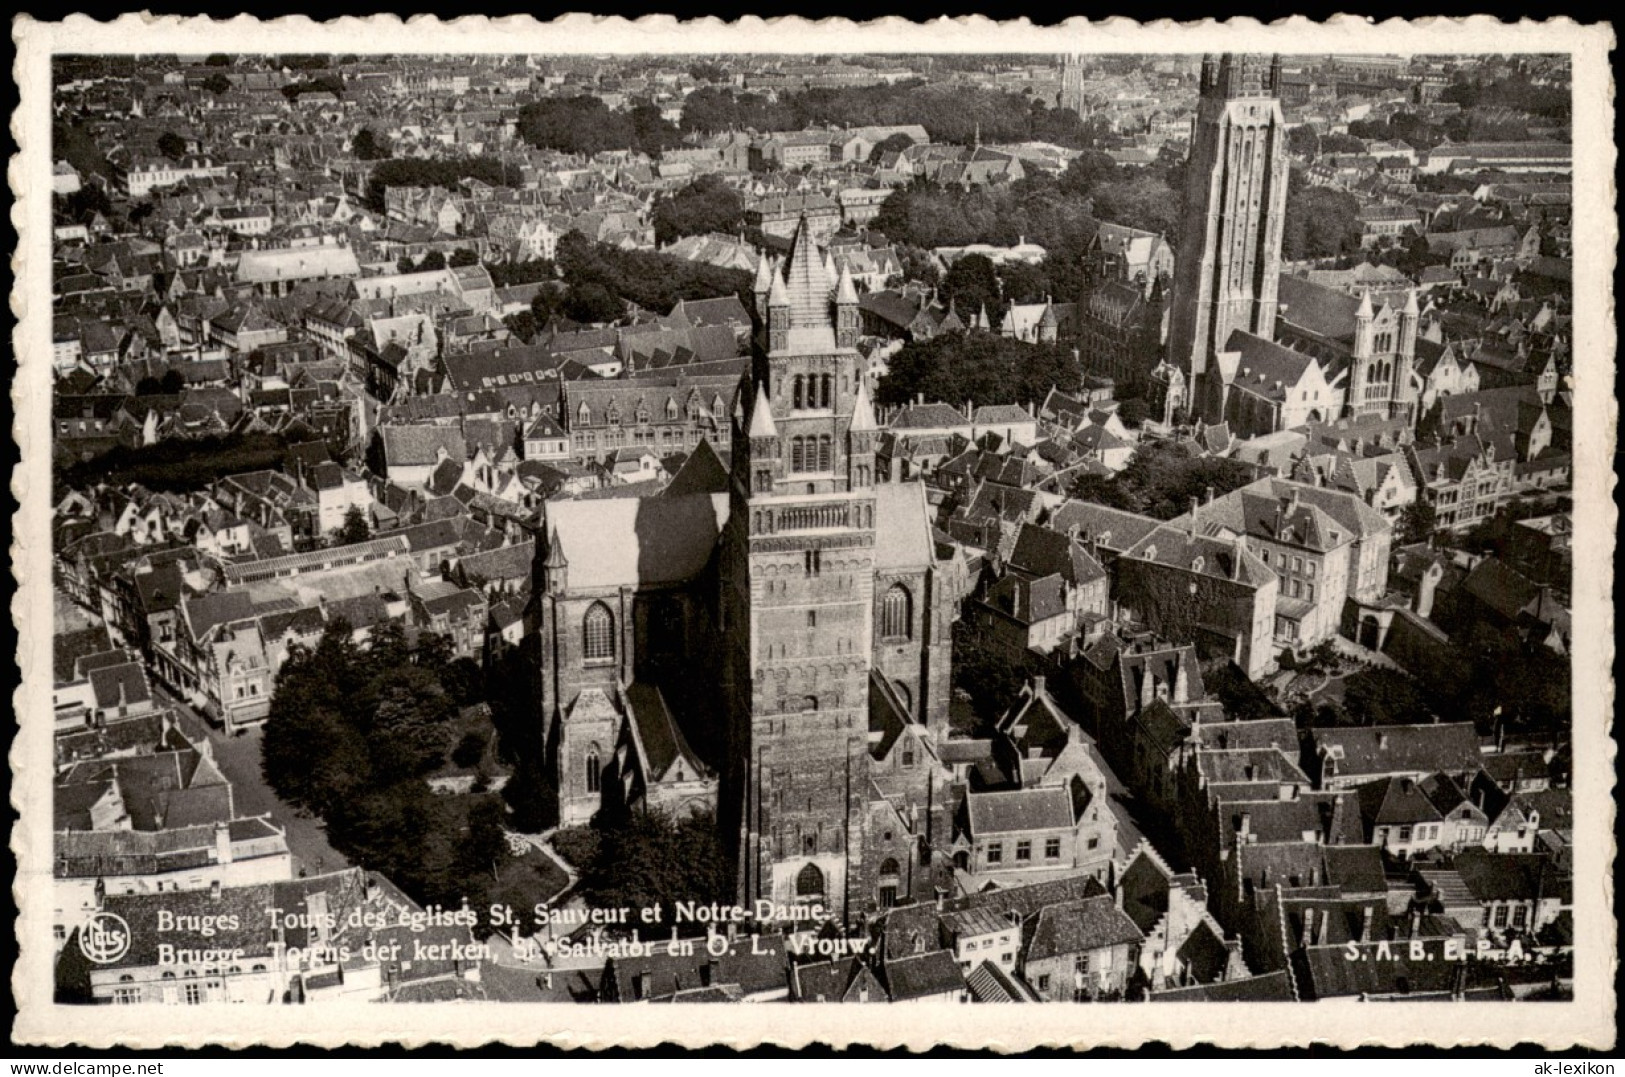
(797, 579)
(1071, 95)
(1229, 259)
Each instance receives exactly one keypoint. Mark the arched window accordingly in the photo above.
(886, 892)
(824, 453)
(598, 633)
(671, 408)
(827, 383)
(810, 882)
(584, 414)
(897, 613)
(799, 389)
(595, 771)
(797, 454)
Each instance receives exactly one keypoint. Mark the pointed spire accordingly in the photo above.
(777, 294)
(863, 413)
(1047, 319)
(1365, 312)
(1410, 304)
(555, 551)
(764, 275)
(761, 418)
(845, 291)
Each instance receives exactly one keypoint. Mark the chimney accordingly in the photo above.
(1365, 924)
(1244, 829)
(1308, 927)
(1209, 495)
(222, 843)
(1382, 742)
(214, 890)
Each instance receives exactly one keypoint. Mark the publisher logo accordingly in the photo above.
(105, 938)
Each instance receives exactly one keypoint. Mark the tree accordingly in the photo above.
(1161, 479)
(650, 858)
(707, 71)
(369, 146)
(1133, 411)
(172, 145)
(218, 59)
(985, 674)
(1418, 521)
(981, 367)
(522, 325)
(432, 260)
(1320, 222)
(411, 728)
(470, 749)
(1088, 172)
(355, 528)
(217, 83)
(172, 382)
(705, 205)
(462, 257)
(148, 386)
(895, 142)
(1144, 201)
(652, 133)
(486, 845)
(972, 284)
(593, 304)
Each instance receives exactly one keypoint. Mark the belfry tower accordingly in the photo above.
(1229, 259)
(797, 580)
(1071, 95)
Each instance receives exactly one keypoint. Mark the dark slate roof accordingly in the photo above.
(922, 975)
(1449, 747)
(1078, 927)
(1019, 810)
(1040, 551)
(1325, 312)
(1269, 987)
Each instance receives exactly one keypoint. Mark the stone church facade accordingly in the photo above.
(772, 639)
(1260, 351)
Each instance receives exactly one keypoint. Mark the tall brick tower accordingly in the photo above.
(1229, 258)
(1071, 95)
(797, 577)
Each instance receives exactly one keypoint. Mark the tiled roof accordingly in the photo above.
(1019, 810)
(1078, 927)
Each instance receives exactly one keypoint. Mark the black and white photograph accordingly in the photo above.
(1084, 527)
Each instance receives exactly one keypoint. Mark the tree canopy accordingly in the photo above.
(983, 367)
(434, 172)
(650, 858)
(585, 125)
(369, 146)
(1320, 222)
(705, 205)
(350, 736)
(172, 145)
(1161, 479)
(599, 277)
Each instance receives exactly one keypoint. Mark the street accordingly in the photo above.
(239, 760)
